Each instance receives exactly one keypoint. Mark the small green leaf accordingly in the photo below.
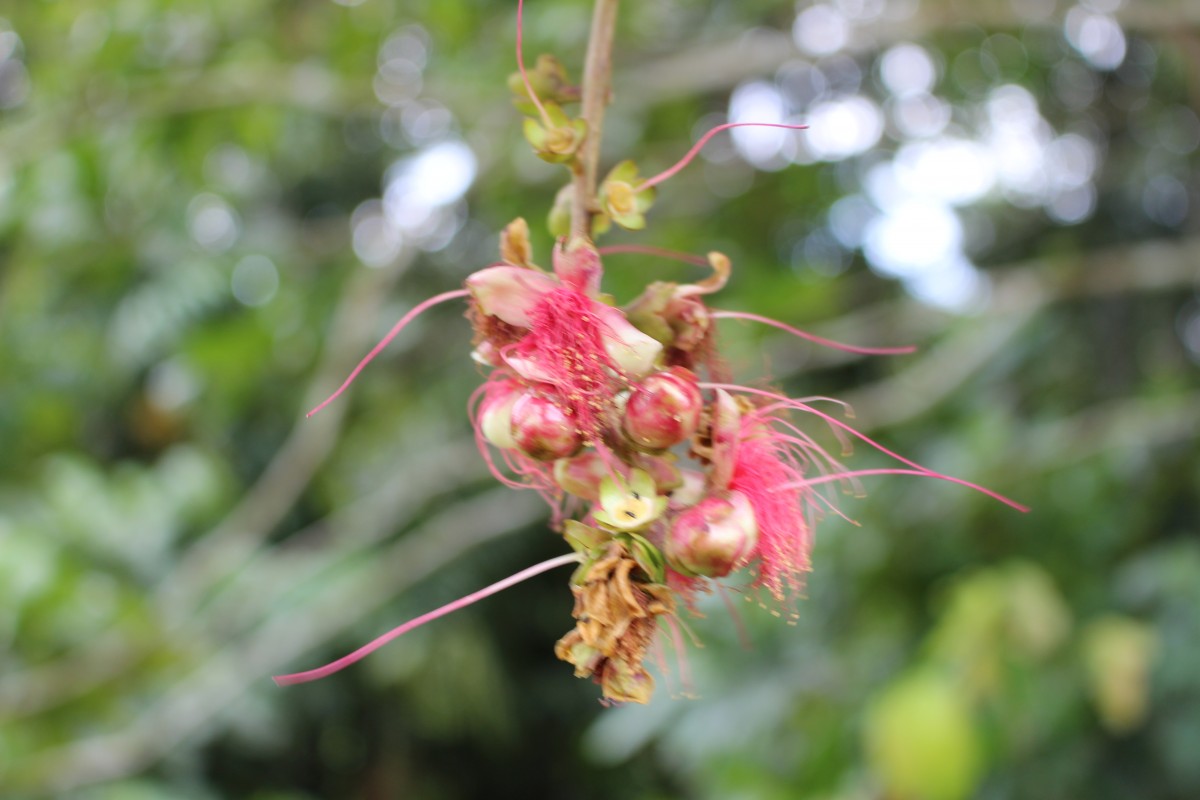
(648, 557)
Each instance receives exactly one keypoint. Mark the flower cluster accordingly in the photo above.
(660, 482)
(663, 476)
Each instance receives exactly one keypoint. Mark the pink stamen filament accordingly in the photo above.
(462, 602)
(806, 444)
(399, 326)
(810, 453)
(685, 674)
(924, 473)
(659, 653)
(649, 250)
(698, 146)
(834, 469)
(788, 402)
(524, 75)
(742, 634)
(730, 387)
(849, 348)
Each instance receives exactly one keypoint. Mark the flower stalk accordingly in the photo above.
(597, 88)
(662, 476)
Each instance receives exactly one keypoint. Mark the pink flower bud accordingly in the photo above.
(485, 354)
(581, 475)
(628, 348)
(495, 413)
(723, 435)
(663, 410)
(578, 265)
(713, 537)
(542, 430)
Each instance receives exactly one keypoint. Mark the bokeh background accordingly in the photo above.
(210, 209)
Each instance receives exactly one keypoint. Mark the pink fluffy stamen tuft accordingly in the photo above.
(698, 146)
(838, 426)
(848, 348)
(386, 340)
(566, 343)
(773, 482)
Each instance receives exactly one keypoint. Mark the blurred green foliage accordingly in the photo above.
(210, 210)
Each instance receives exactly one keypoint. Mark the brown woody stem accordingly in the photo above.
(597, 83)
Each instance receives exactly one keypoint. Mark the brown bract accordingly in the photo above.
(616, 612)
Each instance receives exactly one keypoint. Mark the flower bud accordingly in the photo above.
(486, 354)
(557, 137)
(713, 537)
(495, 413)
(630, 350)
(667, 477)
(663, 410)
(622, 199)
(542, 430)
(724, 430)
(578, 265)
(581, 475)
(514, 244)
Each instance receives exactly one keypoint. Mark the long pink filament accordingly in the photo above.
(648, 250)
(742, 634)
(521, 68)
(698, 146)
(917, 468)
(685, 674)
(849, 348)
(462, 602)
(399, 326)
(897, 471)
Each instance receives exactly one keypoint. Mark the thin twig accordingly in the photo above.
(597, 86)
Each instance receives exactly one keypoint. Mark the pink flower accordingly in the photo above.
(659, 482)
(561, 358)
(596, 414)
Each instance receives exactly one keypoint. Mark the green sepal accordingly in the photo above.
(549, 80)
(648, 312)
(579, 576)
(648, 557)
(559, 142)
(601, 224)
(622, 201)
(584, 539)
(625, 172)
(559, 218)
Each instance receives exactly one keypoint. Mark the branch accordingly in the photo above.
(597, 82)
(717, 66)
